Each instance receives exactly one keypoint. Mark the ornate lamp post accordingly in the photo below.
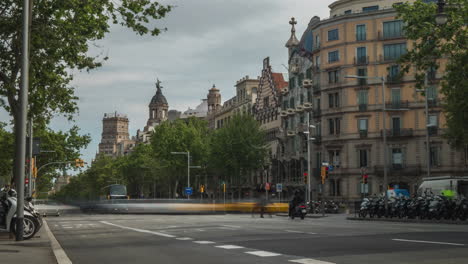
(441, 17)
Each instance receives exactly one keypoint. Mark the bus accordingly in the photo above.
(449, 186)
(116, 191)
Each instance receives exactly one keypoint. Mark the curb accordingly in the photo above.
(307, 216)
(59, 253)
(416, 221)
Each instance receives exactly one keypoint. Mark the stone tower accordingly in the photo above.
(114, 131)
(158, 108)
(214, 99)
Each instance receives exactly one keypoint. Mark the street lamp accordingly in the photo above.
(382, 79)
(441, 17)
(188, 166)
(309, 139)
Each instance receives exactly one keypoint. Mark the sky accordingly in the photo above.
(208, 42)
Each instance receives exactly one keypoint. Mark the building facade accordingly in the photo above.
(362, 38)
(115, 139)
(266, 112)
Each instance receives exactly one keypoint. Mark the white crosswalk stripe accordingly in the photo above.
(310, 261)
(184, 238)
(261, 253)
(229, 247)
(204, 242)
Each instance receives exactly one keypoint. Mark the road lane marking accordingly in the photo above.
(138, 230)
(310, 261)
(293, 231)
(204, 242)
(57, 249)
(233, 226)
(310, 233)
(229, 247)
(261, 253)
(184, 238)
(428, 242)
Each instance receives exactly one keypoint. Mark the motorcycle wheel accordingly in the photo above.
(31, 226)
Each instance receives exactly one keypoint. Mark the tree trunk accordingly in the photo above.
(175, 188)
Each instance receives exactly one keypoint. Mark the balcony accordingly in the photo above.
(397, 105)
(399, 170)
(363, 133)
(402, 132)
(433, 130)
(394, 79)
(432, 103)
(362, 60)
(317, 140)
(383, 36)
(362, 107)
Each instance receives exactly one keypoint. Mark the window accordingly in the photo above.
(291, 103)
(397, 158)
(434, 156)
(361, 55)
(333, 100)
(300, 78)
(317, 61)
(337, 126)
(396, 125)
(292, 83)
(331, 126)
(393, 29)
(309, 96)
(309, 73)
(333, 76)
(394, 51)
(393, 72)
(432, 93)
(334, 157)
(266, 102)
(317, 41)
(347, 12)
(360, 32)
(363, 125)
(370, 8)
(362, 97)
(433, 121)
(363, 158)
(285, 104)
(333, 56)
(362, 72)
(333, 35)
(396, 98)
(301, 99)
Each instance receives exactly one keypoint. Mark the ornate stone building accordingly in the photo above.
(363, 38)
(158, 113)
(115, 139)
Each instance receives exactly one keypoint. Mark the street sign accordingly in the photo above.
(279, 187)
(325, 164)
(188, 190)
(364, 188)
(26, 180)
(330, 167)
(267, 186)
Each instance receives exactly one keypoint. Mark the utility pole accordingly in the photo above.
(20, 126)
(30, 157)
(384, 146)
(428, 143)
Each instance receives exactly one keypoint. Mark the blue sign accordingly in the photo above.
(188, 190)
(330, 167)
(279, 187)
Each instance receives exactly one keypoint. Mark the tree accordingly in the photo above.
(6, 155)
(433, 44)
(61, 32)
(238, 149)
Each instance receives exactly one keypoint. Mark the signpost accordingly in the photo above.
(188, 191)
(279, 189)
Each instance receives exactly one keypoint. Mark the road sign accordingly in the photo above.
(279, 187)
(26, 180)
(330, 167)
(188, 190)
(267, 186)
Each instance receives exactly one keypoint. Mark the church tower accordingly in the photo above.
(158, 108)
(214, 99)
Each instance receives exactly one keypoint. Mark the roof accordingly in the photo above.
(279, 81)
(158, 98)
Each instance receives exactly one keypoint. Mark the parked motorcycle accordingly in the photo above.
(300, 211)
(8, 204)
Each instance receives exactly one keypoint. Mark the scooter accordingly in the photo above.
(300, 210)
(32, 219)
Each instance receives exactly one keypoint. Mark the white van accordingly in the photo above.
(453, 186)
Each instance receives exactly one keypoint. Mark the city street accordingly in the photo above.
(243, 239)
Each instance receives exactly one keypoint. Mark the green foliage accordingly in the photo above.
(231, 152)
(431, 43)
(239, 148)
(61, 32)
(6, 154)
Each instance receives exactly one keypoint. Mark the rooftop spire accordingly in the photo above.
(292, 40)
(158, 85)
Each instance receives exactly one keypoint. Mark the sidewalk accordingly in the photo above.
(37, 250)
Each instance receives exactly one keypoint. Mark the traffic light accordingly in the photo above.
(202, 188)
(305, 177)
(364, 178)
(82, 163)
(324, 173)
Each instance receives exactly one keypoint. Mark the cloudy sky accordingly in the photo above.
(207, 42)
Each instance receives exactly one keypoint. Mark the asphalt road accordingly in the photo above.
(242, 239)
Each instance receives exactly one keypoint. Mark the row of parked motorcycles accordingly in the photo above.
(8, 204)
(329, 207)
(422, 207)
